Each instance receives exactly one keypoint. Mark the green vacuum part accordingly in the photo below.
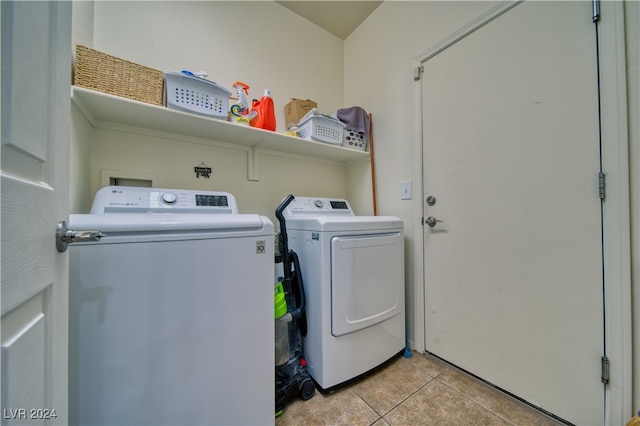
(279, 302)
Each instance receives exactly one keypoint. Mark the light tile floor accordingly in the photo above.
(421, 390)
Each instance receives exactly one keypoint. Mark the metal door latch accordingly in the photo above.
(431, 221)
(66, 236)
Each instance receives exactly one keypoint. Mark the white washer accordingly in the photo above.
(353, 273)
(171, 313)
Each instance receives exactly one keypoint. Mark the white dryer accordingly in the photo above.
(353, 273)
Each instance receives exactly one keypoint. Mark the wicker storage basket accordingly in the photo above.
(108, 74)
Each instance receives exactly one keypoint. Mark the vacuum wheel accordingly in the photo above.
(306, 388)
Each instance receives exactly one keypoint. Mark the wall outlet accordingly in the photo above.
(406, 190)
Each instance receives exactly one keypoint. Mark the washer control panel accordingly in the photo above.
(126, 199)
(318, 206)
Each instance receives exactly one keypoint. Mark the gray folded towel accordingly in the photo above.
(355, 118)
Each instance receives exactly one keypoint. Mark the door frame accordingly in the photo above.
(616, 214)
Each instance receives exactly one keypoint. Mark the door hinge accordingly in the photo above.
(417, 72)
(596, 10)
(601, 185)
(604, 374)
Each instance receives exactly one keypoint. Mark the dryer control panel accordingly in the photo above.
(318, 206)
(127, 199)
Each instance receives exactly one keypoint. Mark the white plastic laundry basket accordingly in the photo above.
(197, 95)
(321, 128)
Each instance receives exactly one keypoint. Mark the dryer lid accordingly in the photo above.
(333, 214)
(346, 223)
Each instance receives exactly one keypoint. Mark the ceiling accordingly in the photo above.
(339, 18)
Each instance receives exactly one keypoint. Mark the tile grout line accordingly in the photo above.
(504, 394)
(382, 416)
(368, 405)
(475, 402)
(409, 396)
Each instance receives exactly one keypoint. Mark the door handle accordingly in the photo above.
(431, 221)
(66, 236)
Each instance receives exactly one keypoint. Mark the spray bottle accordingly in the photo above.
(241, 108)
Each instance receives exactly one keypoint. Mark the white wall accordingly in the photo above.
(80, 192)
(257, 42)
(173, 159)
(378, 66)
(82, 20)
(261, 43)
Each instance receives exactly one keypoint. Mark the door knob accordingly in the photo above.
(66, 236)
(431, 221)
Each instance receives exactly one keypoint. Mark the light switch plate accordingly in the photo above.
(406, 190)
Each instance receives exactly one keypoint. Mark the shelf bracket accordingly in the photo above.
(253, 164)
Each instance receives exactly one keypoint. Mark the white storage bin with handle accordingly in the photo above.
(196, 94)
(320, 127)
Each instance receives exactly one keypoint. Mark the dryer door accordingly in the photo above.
(367, 280)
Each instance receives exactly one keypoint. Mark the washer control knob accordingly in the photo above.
(318, 203)
(169, 198)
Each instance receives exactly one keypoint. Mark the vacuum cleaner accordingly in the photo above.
(290, 323)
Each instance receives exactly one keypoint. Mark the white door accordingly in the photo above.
(36, 73)
(513, 273)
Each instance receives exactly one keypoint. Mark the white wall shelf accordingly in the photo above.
(101, 107)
